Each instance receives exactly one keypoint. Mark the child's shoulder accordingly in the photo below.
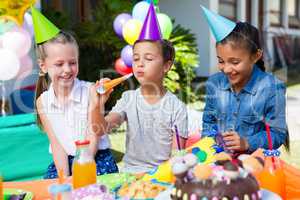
(175, 100)
(270, 80)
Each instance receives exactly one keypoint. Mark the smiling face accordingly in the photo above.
(236, 63)
(149, 66)
(61, 64)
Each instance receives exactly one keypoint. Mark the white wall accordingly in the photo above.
(188, 14)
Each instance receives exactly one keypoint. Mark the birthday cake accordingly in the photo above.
(227, 179)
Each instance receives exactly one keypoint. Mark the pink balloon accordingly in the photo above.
(26, 66)
(17, 40)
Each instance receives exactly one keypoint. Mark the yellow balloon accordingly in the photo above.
(131, 30)
(14, 10)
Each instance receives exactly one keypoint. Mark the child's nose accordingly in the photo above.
(227, 69)
(67, 68)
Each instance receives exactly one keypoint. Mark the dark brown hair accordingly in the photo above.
(246, 36)
(168, 50)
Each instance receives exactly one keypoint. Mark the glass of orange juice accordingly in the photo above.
(272, 177)
(84, 166)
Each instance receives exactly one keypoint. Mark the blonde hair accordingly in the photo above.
(43, 81)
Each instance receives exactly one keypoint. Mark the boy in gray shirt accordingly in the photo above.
(151, 112)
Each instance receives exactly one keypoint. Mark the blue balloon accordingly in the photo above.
(119, 21)
(127, 54)
(140, 10)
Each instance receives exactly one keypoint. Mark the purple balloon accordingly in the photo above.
(127, 54)
(119, 21)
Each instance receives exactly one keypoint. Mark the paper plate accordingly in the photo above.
(10, 191)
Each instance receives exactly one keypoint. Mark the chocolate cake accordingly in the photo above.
(228, 180)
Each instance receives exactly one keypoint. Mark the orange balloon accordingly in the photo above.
(14, 10)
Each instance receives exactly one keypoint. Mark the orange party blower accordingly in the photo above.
(111, 84)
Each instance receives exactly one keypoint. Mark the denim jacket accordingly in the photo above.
(261, 99)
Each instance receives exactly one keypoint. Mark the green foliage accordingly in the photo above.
(100, 47)
(180, 77)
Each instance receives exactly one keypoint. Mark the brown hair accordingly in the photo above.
(168, 50)
(43, 81)
(246, 36)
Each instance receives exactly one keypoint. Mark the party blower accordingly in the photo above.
(111, 84)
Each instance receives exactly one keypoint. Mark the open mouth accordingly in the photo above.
(66, 78)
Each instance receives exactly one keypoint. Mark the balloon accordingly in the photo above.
(121, 68)
(26, 66)
(165, 25)
(155, 2)
(140, 10)
(131, 30)
(10, 64)
(15, 9)
(17, 40)
(28, 24)
(126, 55)
(5, 26)
(119, 22)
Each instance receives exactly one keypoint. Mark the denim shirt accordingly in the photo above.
(261, 99)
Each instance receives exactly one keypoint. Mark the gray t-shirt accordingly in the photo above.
(150, 129)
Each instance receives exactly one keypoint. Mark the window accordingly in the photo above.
(293, 12)
(227, 8)
(275, 12)
(77, 10)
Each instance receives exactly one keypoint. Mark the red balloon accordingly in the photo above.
(121, 68)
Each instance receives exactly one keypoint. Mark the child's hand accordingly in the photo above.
(233, 141)
(96, 98)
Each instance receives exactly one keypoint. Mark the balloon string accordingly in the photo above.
(3, 99)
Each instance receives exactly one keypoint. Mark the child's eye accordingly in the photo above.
(221, 61)
(235, 62)
(73, 63)
(58, 64)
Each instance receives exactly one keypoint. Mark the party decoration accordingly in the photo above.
(43, 29)
(144, 24)
(220, 26)
(150, 30)
(140, 10)
(103, 88)
(26, 66)
(119, 22)
(14, 10)
(10, 64)
(127, 54)
(165, 25)
(5, 26)
(155, 2)
(131, 30)
(121, 68)
(205, 147)
(163, 173)
(28, 23)
(17, 40)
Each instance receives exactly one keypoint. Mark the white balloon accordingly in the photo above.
(9, 65)
(17, 40)
(28, 24)
(26, 66)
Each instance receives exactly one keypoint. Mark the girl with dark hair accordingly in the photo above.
(243, 97)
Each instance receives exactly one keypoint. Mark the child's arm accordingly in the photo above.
(209, 119)
(98, 124)
(181, 122)
(60, 157)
